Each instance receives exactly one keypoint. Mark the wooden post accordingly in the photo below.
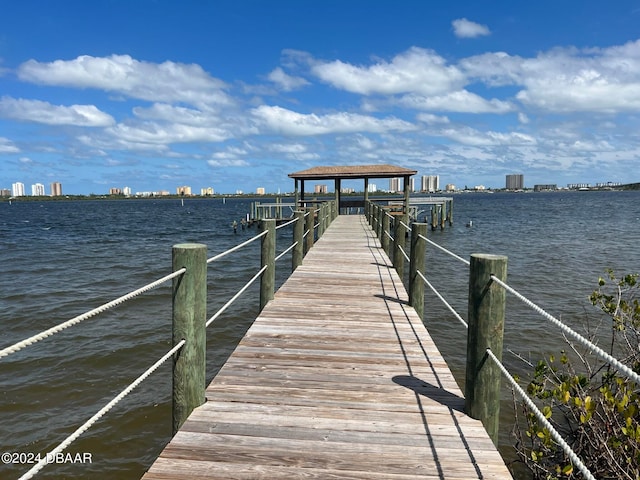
(298, 239)
(379, 215)
(321, 211)
(443, 213)
(450, 213)
(309, 227)
(399, 236)
(268, 258)
(384, 239)
(189, 307)
(486, 326)
(418, 251)
(434, 217)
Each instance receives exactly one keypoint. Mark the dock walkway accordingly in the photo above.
(336, 379)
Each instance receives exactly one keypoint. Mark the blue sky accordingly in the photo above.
(237, 94)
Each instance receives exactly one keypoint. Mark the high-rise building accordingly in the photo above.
(260, 191)
(37, 190)
(56, 189)
(515, 182)
(320, 188)
(184, 190)
(17, 189)
(126, 191)
(430, 183)
(394, 185)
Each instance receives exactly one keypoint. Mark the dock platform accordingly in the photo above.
(336, 379)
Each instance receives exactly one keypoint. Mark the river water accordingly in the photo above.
(60, 259)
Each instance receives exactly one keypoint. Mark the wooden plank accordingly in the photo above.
(337, 378)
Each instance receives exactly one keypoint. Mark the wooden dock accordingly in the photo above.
(336, 379)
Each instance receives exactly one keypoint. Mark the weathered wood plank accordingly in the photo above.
(337, 378)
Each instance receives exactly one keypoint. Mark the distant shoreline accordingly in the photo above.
(48, 198)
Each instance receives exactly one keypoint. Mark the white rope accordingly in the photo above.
(235, 297)
(582, 340)
(541, 418)
(286, 224)
(71, 438)
(389, 235)
(466, 262)
(404, 254)
(237, 247)
(58, 328)
(451, 309)
(406, 226)
(285, 252)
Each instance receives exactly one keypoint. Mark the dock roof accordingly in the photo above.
(353, 171)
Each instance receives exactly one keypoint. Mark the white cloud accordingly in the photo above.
(459, 101)
(431, 119)
(567, 80)
(463, 28)
(166, 82)
(288, 122)
(415, 71)
(286, 82)
(7, 146)
(473, 137)
(44, 112)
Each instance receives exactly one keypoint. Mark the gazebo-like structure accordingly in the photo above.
(352, 172)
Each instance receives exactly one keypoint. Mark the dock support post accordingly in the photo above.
(309, 227)
(418, 251)
(298, 239)
(189, 306)
(384, 239)
(379, 215)
(399, 241)
(321, 212)
(486, 326)
(268, 259)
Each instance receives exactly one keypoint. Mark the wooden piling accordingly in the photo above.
(298, 239)
(486, 326)
(416, 264)
(268, 259)
(384, 239)
(189, 306)
(309, 239)
(399, 242)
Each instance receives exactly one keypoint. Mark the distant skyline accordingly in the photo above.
(234, 95)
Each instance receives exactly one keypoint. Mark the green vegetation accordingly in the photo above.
(594, 407)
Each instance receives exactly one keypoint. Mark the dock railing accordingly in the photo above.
(484, 324)
(189, 311)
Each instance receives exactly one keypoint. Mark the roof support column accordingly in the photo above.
(406, 194)
(337, 194)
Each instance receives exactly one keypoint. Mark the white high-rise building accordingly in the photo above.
(394, 185)
(17, 189)
(430, 183)
(37, 190)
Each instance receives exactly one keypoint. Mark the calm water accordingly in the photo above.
(62, 259)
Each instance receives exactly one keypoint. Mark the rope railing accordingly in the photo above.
(442, 299)
(235, 297)
(194, 277)
(75, 320)
(236, 248)
(448, 252)
(103, 411)
(575, 460)
(484, 322)
(622, 368)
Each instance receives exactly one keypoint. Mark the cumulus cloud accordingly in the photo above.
(166, 82)
(566, 80)
(44, 112)
(7, 146)
(285, 81)
(463, 28)
(417, 71)
(288, 122)
(460, 101)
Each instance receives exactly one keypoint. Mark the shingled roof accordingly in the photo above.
(353, 171)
